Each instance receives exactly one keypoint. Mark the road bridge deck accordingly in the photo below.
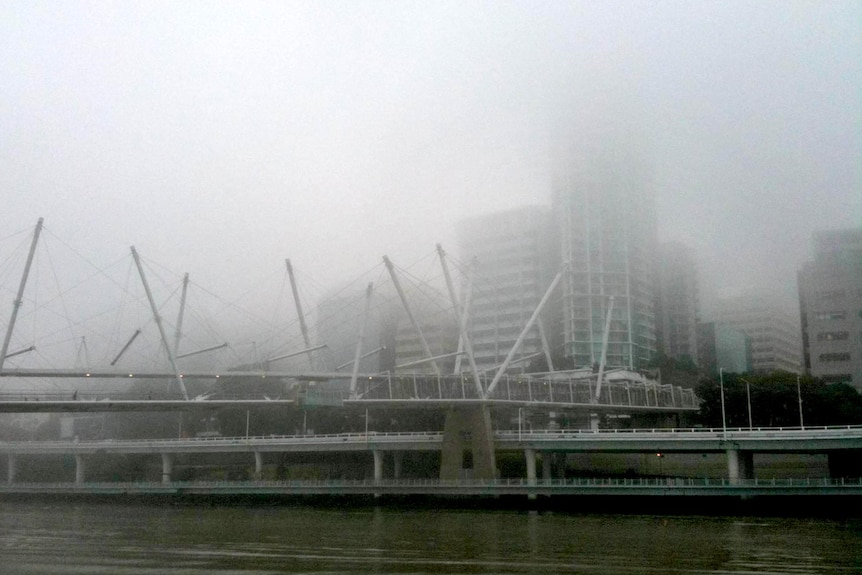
(692, 440)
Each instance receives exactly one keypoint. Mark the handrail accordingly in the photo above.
(506, 435)
(603, 482)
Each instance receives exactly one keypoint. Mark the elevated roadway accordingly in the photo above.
(693, 440)
(739, 445)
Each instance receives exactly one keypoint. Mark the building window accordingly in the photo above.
(830, 315)
(832, 335)
(827, 357)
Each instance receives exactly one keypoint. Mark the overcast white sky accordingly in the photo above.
(220, 138)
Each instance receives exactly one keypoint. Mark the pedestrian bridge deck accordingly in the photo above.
(626, 394)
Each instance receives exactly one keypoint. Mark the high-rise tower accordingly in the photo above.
(774, 332)
(516, 260)
(830, 301)
(677, 303)
(608, 236)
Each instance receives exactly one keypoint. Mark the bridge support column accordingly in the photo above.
(378, 465)
(740, 465)
(547, 458)
(468, 445)
(12, 469)
(80, 469)
(378, 468)
(258, 465)
(167, 467)
(398, 458)
(530, 454)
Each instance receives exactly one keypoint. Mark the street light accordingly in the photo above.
(799, 395)
(748, 394)
(520, 412)
(723, 416)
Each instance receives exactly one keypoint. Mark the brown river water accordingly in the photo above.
(48, 537)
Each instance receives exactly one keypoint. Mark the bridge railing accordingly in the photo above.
(73, 395)
(336, 485)
(391, 436)
(785, 432)
(418, 387)
(426, 436)
(524, 388)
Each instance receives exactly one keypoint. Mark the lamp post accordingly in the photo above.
(748, 395)
(520, 412)
(799, 395)
(723, 415)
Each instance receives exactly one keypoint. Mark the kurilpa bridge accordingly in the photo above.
(467, 446)
(466, 393)
(422, 382)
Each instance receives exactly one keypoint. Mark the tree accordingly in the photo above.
(774, 401)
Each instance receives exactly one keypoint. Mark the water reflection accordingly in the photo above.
(118, 539)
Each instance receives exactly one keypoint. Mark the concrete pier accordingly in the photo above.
(378, 465)
(468, 445)
(530, 456)
(80, 469)
(258, 465)
(740, 465)
(167, 467)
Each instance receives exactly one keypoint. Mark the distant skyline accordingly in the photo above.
(222, 138)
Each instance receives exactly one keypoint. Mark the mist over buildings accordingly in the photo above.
(220, 139)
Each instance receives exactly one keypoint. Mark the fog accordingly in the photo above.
(220, 138)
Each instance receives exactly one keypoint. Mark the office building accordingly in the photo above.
(606, 216)
(721, 347)
(776, 343)
(830, 302)
(677, 304)
(515, 261)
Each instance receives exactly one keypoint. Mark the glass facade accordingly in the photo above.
(608, 237)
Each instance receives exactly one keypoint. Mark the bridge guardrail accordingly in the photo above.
(622, 483)
(822, 432)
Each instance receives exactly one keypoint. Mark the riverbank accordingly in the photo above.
(830, 507)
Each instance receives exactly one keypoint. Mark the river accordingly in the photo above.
(44, 537)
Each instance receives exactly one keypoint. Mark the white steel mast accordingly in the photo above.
(355, 375)
(16, 304)
(425, 346)
(468, 347)
(302, 326)
(520, 340)
(179, 332)
(158, 321)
